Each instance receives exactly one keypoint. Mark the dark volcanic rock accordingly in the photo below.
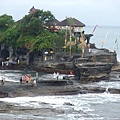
(50, 88)
(93, 89)
(43, 88)
(55, 82)
(114, 91)
(2, 94)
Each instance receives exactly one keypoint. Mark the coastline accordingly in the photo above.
(51, 87)
(10, 89)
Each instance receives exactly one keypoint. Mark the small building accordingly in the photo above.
(51, 26)
(76, 24)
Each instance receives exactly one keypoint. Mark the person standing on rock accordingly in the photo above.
(57, 75)
(20, 81)
(36, 76)
(34, 83)
(2, 82)
(54, 75)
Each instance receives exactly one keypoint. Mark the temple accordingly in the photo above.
(32, 10)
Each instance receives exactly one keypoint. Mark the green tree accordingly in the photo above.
(26, 41)
(44, 16)
(44, 40)
(29, 32)
(6, 21)
(32, 30)
(60, 40)
(32, 24)
(11, 35)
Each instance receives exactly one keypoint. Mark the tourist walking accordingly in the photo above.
(20, 81)
(2, 82)
(34, 83)
(57, 75)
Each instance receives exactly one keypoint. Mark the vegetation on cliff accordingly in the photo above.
(30, 32)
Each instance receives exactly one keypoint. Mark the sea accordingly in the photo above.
(95, 106)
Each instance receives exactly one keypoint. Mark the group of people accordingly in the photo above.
(56, 75)
(27, 79)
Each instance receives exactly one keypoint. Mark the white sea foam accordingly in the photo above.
(84, 101)
(81, 105)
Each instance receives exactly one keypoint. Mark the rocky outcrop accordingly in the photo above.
(116, 67)
(96, 65)
(46, 87)
(51, 87)
(92, 71)
(3, 94)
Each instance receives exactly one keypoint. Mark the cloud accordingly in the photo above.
(103, 12)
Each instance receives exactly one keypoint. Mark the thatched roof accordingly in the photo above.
(52, 23)
(71, 22)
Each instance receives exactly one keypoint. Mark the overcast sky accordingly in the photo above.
(90, 12)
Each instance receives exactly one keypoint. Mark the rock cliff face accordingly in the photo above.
(101, 55)
(96, 64)
(92, 71)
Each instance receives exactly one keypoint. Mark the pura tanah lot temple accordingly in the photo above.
(66, 60)
(74, 26)
(69, 23)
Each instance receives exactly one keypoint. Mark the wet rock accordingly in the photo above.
(55, 82)
(2, 94)
(68, 104)
(114, 91)
(83, 91)
(116, 67)
(49, 87)
(93, 89)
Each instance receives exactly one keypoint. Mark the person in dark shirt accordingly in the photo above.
(20, 81)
